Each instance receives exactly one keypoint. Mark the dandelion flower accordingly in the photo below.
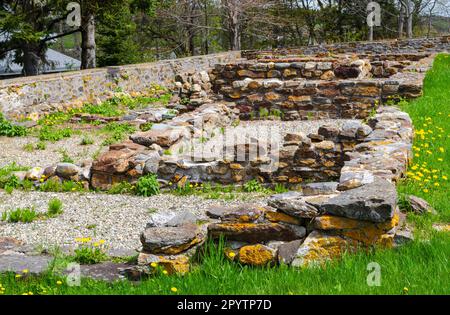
(58, 282)
(154, 265)
(173, 289)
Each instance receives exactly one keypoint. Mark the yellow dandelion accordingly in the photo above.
(231, 254)
(444, 177)
(58, 282)
(154, 265)
(441, 149)
(425, 190)
(173, 289)
(25, 271)
(165, 272)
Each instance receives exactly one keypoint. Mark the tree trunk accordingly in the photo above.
(409, 19)
(31, 61)
(401, 20)
(88, 41)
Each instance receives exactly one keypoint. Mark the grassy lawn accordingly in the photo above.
(421, 267)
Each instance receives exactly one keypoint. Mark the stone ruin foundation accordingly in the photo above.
(342, 176)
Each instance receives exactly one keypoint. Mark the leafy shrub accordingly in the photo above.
(89, 253)
(280, 188)
(54, 207)
(147, 186)
(253, 186)
(24, 215)
(117, 132)
(41, 145)
(121, 188)
(10, 130)
(51, 185)
(47, 133)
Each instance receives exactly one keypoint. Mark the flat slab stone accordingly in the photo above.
(324, 188)
(256, 233)
(107, 271)
(242, 213)
(375, 202)
(297, 207)
(9, 243)
(170, 240)
(18, 263)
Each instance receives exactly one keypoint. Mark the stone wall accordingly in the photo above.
(307, 227)
(46, 92)
(313, 88)
(378, 47)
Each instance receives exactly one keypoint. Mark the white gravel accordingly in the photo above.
(117, 219)
(12, 150)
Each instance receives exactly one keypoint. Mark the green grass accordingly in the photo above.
(420, 267)
(429, 173)
(408, 267)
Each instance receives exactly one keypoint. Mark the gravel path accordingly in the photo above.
(12, 150)
(117, 219)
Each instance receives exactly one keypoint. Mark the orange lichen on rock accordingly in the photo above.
(256, 255)
(319, 247)
(276, 216)
(366, 232)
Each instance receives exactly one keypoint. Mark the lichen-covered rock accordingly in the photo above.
(163, 138)
(288, 251)
(320, 246)
(66, 170)
(375, 202)
(245, 213)
(173, 264)
(365, 232)
(324, 188)
(298, 207)
(276, 216)
(170, 240)
(257, 255)
(256, 232)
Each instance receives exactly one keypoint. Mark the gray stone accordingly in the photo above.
(286, 195)
(288, 251)
(373, 202)
(244, 213)
(182, 218)
(324, 188)
(152, 163)
(66, 170)
(107, 271)
(295, 207)
(419, 205)
(169, 240)
(403, 236)
(17, 263)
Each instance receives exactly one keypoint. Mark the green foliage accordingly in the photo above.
(10, 130)
(117, 132)
(24, 215)
(28, 147)
(86, 140)
(253, 186)
(280, 188)
(48, 133)
(89, 254)
(147, 185)
(54, 207)
(41, 145)
(65, 156)
(122, 188)
(146, 127)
